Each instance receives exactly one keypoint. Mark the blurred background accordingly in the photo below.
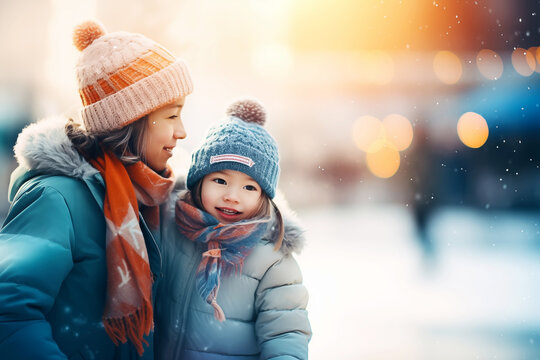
(409, 134)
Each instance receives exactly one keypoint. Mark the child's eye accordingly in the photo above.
(173, 117)
(250, 188)
(220, 181)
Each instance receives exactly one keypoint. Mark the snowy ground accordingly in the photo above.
(374, 295)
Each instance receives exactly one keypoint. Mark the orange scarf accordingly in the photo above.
(128, 310)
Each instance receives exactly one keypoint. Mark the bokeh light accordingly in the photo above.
(535, 51)
(383, 163)
(447, 67)
(489, 64)
(472, 129)
(524, 62)
(463, 206)
(368, 133)
(398, 130)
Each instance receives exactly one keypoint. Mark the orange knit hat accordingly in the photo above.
(124, 76)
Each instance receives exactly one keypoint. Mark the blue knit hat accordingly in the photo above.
(239, 143)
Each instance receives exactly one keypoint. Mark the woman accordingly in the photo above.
(79, 249)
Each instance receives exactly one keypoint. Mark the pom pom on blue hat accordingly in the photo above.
(239, 142)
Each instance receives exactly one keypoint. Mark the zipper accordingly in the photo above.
(142, 222)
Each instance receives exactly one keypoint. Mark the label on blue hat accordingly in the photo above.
(232, 157)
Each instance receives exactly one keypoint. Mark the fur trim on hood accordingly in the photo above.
(293, 238)
(44, 146)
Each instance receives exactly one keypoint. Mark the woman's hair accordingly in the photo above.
(265, 206)
(127, 143)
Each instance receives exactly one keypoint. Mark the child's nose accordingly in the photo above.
(231, 195)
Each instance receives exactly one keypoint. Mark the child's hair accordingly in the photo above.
(265, 207)
(127, 143)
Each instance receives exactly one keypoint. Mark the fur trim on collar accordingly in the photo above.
(44, 146)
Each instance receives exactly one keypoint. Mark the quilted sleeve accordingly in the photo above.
(283, 329)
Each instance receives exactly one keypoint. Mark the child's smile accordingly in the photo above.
(230, 195)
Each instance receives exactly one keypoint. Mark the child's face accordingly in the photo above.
(164, 127)
(230, 195)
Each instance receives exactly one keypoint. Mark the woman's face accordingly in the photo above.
(230, 196)
(164, 127)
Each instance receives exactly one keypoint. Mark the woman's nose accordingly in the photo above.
(179, 130)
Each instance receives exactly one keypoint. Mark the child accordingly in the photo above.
(79, 263)
(232, 289)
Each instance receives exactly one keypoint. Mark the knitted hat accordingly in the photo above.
(124, 76)
(239, 143)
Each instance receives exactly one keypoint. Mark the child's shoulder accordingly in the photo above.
(264, 255)
(265, 262)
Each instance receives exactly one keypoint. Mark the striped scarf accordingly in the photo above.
(128, 310)
(227, 245)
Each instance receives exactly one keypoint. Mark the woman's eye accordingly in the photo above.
(173, 117)
(219, 181)
(250, 188)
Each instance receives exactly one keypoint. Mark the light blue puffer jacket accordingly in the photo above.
(53, 271)
(265, 305)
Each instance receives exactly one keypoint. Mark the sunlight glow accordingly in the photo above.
(62, 54)
(272, 60)
(378, 67)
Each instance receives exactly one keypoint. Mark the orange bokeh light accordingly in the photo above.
(472, 130)
(398, 130)
(383, 163)
(368, 133)
(489, 64)
(447, 67)
(524, 62)
(535, 51)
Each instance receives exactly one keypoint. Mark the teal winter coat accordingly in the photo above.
(265, 305)
(53, 271)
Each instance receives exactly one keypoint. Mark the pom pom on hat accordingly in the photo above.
(249, 110)
(118, 74)
(85, 33)
(239, 142)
